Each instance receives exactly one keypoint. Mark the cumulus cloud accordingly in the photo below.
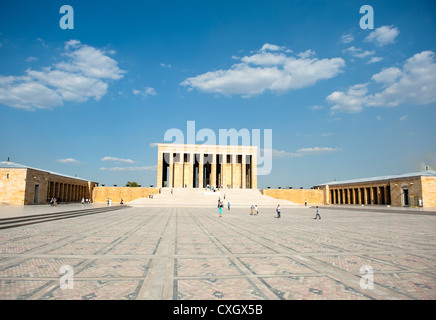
(383, 35)
(414, 83)
(270, 69)
(83, 73)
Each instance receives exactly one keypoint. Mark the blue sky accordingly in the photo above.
(342, 102)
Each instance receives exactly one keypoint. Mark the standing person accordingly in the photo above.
(256, 210)
(252, 210)
(228, 205)
(220, 206)
(278, 211)
(317, 213)
(110, 202)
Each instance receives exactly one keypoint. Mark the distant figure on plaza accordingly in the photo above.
(305, 203)
(256, 210)
(317, 213)
(252, 210)
(220, 206)
(121, 202)
(55, 202)
(228, 205)
(82, 201)
(278, 209)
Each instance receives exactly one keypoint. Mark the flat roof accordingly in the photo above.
(13, 165)
(429, 173)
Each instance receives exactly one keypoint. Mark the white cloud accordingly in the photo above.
(146, 168)
(83, 73)
(165, 65)
(68, 160)
(316, 107)
(31, 59)
(317, 150)
(347, 38)
(375, 59)
(383, 35)
(351, 102)
(147, 91)
(302, 152)
(414, 83)
(358, 52)
(403, 118)
(271, 47)
(119, 160)
(274, 71)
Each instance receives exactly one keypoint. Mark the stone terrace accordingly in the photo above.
(191, 253)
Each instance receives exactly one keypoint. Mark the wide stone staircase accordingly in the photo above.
(238, 198)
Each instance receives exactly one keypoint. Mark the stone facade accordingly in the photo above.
(300, 196)
(407, 190)
(199, 166)
(21, 185)
(101, 194)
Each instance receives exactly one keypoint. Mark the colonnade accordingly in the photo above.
(360, 194)
(67, 192)
(198, 166)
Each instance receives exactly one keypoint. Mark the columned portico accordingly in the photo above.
(199, 166)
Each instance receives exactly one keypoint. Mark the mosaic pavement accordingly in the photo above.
(191, 253)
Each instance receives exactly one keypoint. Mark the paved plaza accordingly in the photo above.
(192, 253)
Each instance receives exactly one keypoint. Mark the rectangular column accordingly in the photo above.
(201, 171)
(243, 171)
(159, 183)
(171, 174)
(213, 165)
(254, 171)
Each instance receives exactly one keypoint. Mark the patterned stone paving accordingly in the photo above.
(191, 253)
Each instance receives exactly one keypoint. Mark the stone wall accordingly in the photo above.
(12, 186)
(299, 196)
(101, 194)
(428, 191)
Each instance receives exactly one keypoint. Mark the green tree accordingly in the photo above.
(132, 184)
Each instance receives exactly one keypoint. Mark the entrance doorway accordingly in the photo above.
(36, 194)
(406, 202)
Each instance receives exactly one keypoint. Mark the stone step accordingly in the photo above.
(183, 197)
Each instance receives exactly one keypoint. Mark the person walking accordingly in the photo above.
(220, 206)
(278, 209)
(252, 210)
(228, 205)
(256, 210)
(317, 213)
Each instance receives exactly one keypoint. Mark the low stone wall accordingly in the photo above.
(299, 196)
(101, 194)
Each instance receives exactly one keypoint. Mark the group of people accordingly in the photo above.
(53, 202)
(255, 210)
(220, 207)
(85, 201)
